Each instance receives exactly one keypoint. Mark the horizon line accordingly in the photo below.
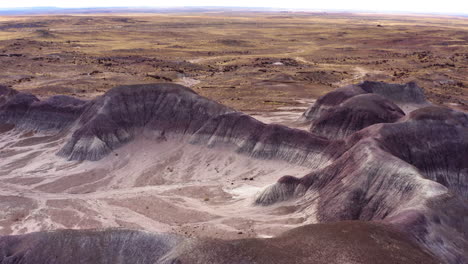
(36, 9)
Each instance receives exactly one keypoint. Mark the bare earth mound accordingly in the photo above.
(196, 176)
(344, 242)
(354, 114)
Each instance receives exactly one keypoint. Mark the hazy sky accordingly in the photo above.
(419, 6)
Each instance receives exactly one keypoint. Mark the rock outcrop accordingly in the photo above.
(158, 111)
(406, 96)
(354, 114)
(368, 160)
(246, 135)
(97, 127)
(27, 112)
(409, 169)
(329, 101)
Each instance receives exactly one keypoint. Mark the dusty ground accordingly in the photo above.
(250, 61)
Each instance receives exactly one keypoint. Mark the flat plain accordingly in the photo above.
(251, 61)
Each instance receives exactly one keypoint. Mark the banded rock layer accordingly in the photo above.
(158, 112)
(27, 112)
(246, 135)
(409, 173)
(406, 96)
(119, 115)
(354, 114)
(368, 160)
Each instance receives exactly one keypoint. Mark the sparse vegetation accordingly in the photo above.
(240, 59)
